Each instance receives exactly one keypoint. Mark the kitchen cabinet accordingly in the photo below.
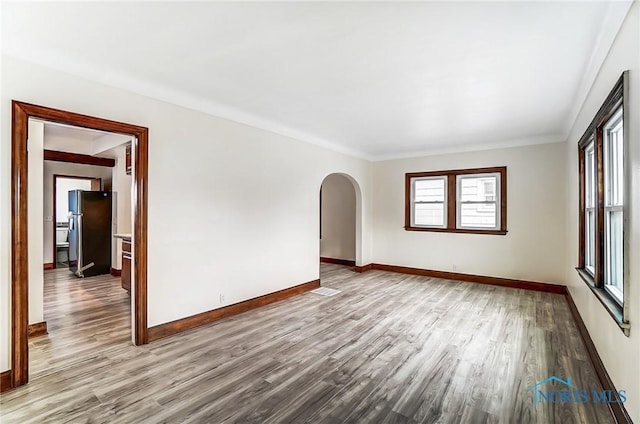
(126, 265)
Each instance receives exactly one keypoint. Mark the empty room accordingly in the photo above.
(320, 212)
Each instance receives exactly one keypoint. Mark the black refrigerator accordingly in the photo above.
(89, 232)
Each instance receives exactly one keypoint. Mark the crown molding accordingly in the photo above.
(79, 69)
(88, 72)
(464, 148)
(611, 24)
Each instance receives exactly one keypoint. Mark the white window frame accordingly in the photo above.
(611, 206)
(444, 203)
(497, 201)
(590, 187)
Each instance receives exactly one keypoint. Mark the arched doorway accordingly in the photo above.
(340, 220)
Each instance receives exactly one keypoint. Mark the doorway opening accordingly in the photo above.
(22, 265)
(340, 221)
(62, 185)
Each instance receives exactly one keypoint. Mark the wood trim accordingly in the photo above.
(37, 329)
(363, 268)
(115, 272)
(407, 200)
(456, 230)
(503, 200)
(5, 381)
(184, 324)
(581, 208)
(618, 411)
(140, 149)
(614, 309)
(21, 112)
(19, 248)
(599, 242)
(57, 156)
(49, 265)
(471, 278)
(486, 170)
(451, 203)
(594, 132)
(337, 261)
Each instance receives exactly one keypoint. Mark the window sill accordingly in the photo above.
(614, 309)
(457, 230)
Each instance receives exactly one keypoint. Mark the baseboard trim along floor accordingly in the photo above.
(184, 324)
(5, 381)
(335, 261)
(37, 329)
(618, 411)
(470, 278)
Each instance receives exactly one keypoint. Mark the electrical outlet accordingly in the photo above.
(454, 267)
(221, 298)
(48, 219)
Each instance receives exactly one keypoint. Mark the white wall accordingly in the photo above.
(233, 210)
(63, 187)
(620, 354)
(35, 218)
(532, 249)
(52, 168)
(338, 218)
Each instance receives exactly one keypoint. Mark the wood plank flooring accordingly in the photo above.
(390, 348)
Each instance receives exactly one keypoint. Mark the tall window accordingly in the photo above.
(602, 262)
(590, 208)
(461, 201)
(613, 206)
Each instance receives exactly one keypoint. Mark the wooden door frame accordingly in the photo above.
(21, 112)
(54, 215)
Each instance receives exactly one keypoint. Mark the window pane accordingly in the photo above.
(613, 165)
(429, 190)
(589, 173)
(482, 215)
(478, 189)
(429, 214)
(614, 253)
(590, 239)
(590, 202)
(613, 200)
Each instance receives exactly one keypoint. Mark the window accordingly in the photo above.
(459, 201)
(477, 204)
(429, 199)
(602, 177)
(613, 206)
(590, 208)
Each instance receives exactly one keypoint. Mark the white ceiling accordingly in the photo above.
(67, 132)
(377, 80)
(84, 141)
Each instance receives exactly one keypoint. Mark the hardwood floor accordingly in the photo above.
(390, 348)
